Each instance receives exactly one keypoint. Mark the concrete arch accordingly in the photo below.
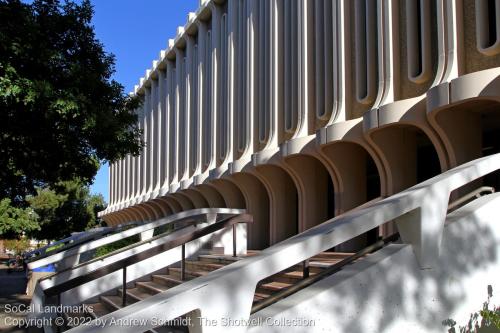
(464, 103)
(142, 214)
(213, 197)
(110, 220)
(315, 189)
(356, 150)
(230, 192)
(156, 212)
(135, 216)
(402, 148)
(183, 200)
(196, 198)
(159, 208)
(472, 116)
(119, 218)
(127, 216)
(146, 211)
(257, 204)
(173, 204)
(283, 201)
(395, 132)
(163, 206)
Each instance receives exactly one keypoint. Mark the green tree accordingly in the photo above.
(64, 208)
(14, 221)
(61, 113)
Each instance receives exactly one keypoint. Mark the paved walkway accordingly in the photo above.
(12, 293)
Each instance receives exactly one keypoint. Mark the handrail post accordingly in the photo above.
(124, 291)
(183, 262)
(234, 240)
(305, 269)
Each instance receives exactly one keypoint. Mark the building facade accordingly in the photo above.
(301, 110)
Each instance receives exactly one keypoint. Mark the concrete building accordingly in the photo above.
(338, 121)
(301, 110)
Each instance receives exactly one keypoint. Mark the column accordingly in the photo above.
(163, 133)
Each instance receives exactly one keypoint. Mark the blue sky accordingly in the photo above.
(135, 32)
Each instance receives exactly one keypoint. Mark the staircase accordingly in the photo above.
(203, 265)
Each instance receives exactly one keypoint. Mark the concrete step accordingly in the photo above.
(218, 259)
(176, 273)
(134, 295)
(203, 265)
(272, 287)
(259, 296)
(98, 310)
(167, 280)
(332, 255)
(151, 287)
(112, 303)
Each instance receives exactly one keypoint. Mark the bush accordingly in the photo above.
(484, 320)
(106, 249)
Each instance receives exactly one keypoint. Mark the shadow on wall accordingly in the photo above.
(426, 297)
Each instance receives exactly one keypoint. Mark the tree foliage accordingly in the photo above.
(14, 221)
(64, 208)
(61, 114)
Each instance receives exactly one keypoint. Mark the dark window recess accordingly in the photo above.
(427, 159)
(492, 23)
(331, 199)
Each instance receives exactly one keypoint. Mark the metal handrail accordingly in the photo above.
(68, 242)
(309, 280)
(479, 192)
(181, 218)
(123, 263)
(420, 212)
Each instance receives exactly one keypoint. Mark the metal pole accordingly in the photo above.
(124, 292)
(305, 269)
(183, 263)
(234, 240)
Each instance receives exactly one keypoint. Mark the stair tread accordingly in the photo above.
(152, 285)
(275, 285)
(137, 293)
(113, 301)
(213, 266)
(219, 257)
(98, 309)
(167, 277)
(189, 271)
(294, 274)
(260, 296)
(338, 255)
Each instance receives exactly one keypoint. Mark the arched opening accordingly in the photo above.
(173, 204)
(164, 206)
(257, 204)
(183, 200)
(230, 192)
(213, 197)
(358, 182)
(469, 131)
(409, 155)
(283, 202)
(198, 200)
(315, 190)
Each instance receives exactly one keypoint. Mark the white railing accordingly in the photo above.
(227, 293)
(65, 243)
(68, 258)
